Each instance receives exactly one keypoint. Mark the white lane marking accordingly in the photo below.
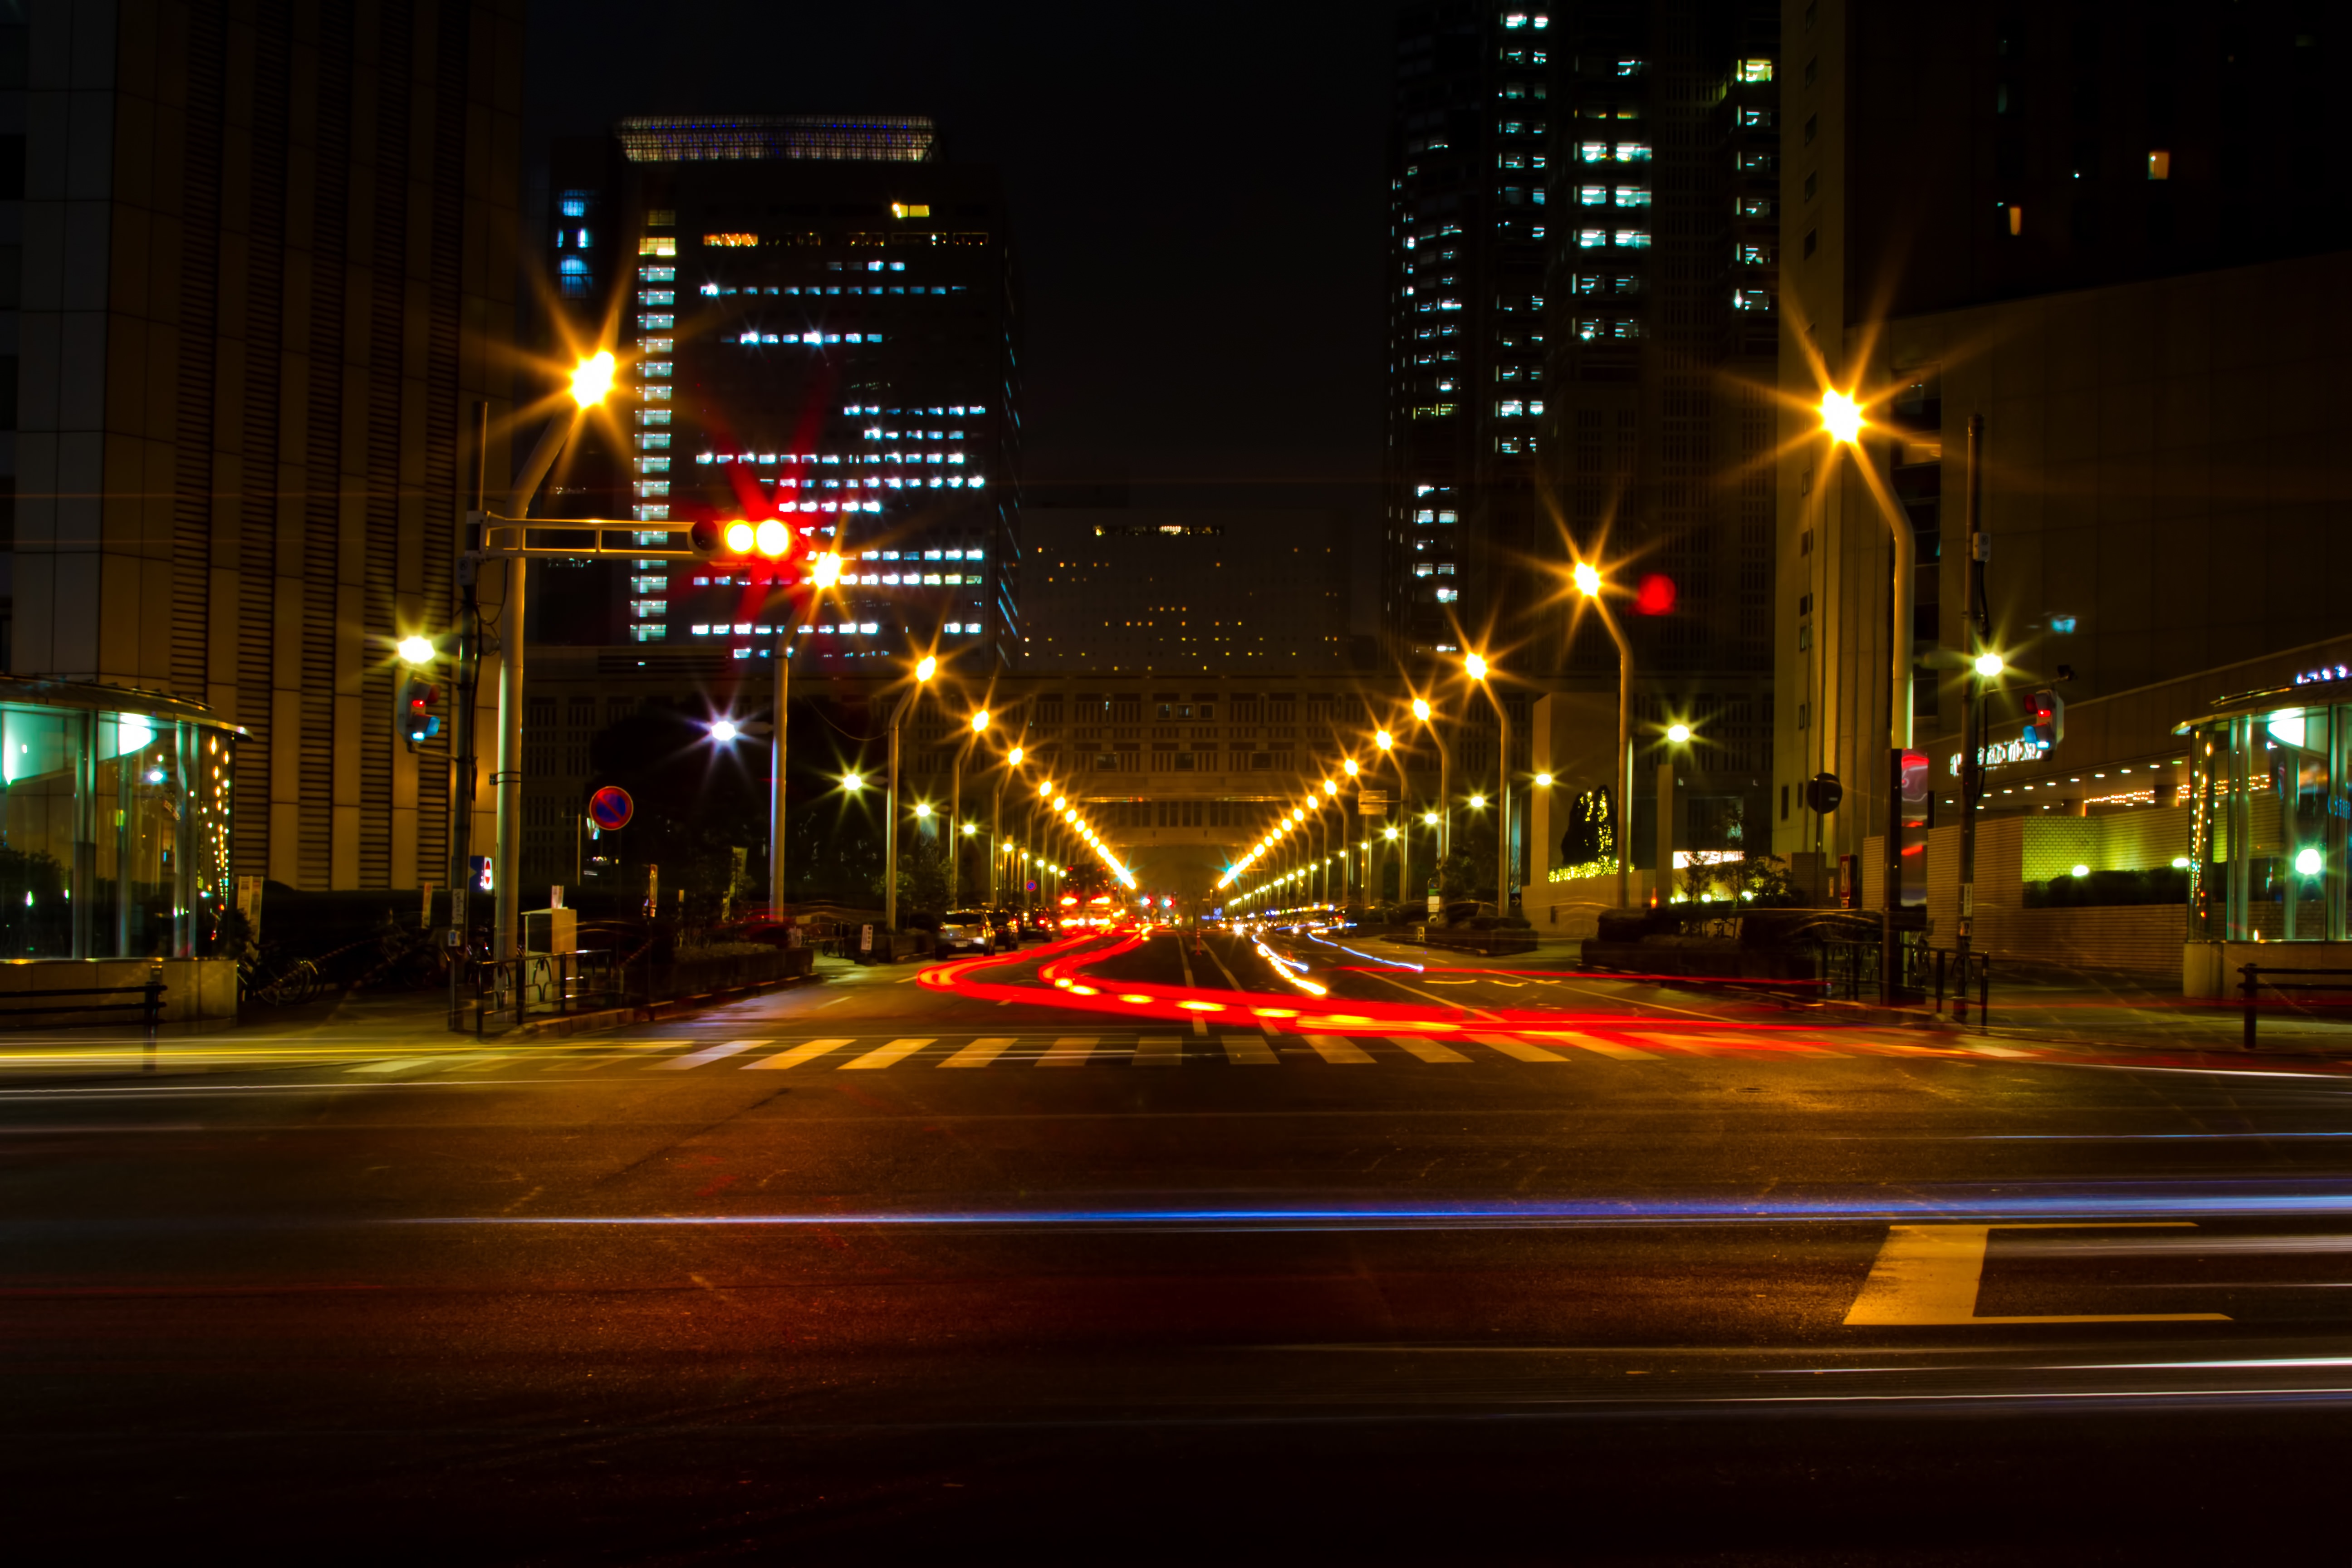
(1519, 1048)
(1248, 1050)
(798, 1054)
(1159, 1051)
(1598, 1046)
(1427, 1050)
(1995, 1051)
(980, 1052)
(1200, 1025)
(406, 1064)
(1070, 1052)
(884, 1056)
(708, 1053)
(1340, 1051)
(1929, 1274)
(1428, 997)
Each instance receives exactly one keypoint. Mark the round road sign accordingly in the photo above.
(610, 808)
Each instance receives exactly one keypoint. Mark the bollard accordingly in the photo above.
(151, 1008)
(2253, 978)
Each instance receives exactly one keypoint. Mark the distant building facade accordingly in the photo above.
(817, 320)
(1197, 591)
(264, 296)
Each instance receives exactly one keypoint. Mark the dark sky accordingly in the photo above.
(1197, 191)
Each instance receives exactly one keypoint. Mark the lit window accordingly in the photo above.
(1592, 196)
(1634, 238)
(571, 272)
(1589, 238)
(1756, 71)
(1511, 408)
(1632, 196)
(658, 245)
(574, 203)
(1423, 569)
(1754, 206)
(1633, 152)
(1629, 67)
(2159, 165)
(1447, 595)
(1592, 152)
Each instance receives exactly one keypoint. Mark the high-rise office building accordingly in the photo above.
(262, 281)
(818, 322)
(1468, 145)
(1585, 240)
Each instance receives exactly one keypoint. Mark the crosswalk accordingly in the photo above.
(848, 1053)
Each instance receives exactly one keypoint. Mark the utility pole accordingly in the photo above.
(784, 687)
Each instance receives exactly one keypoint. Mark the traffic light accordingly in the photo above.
(740, 539)
(416, 720)
(2045, 717)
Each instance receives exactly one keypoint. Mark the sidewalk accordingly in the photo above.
(359, 1028)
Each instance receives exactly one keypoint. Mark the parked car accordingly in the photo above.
(1004, 929)
(965, 931)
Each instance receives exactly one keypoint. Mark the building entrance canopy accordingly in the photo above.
(114, 822)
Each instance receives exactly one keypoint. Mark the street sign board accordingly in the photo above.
(610, 808)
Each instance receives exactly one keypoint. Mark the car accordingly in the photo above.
(965, 931)
(1004, 929)
(1040, 925)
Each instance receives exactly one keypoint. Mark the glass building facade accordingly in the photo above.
(114, 822)
(2268, 817)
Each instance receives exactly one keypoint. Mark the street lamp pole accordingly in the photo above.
(923, 672)
(1422, 711)
(589, 381)
(1479, 667)
(1984, 665)
(1588, 583)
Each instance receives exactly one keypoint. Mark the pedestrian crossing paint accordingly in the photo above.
(1519, 1048)
(1546, 1048)
(891, 1054)
(1614, 1049)
(708, 1053)
(1427, 1050)
(980, 1052)
(1340, 1051)
(808, 1051)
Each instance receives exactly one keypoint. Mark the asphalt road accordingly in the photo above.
(1568, 1269)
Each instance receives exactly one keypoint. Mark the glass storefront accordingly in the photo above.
(114, 822)
(2268, 813)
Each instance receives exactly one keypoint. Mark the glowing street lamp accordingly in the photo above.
(416, 650)
(924, 669)
(1478, 669)
(1841, 418)
(1989, 666)
(723, 730)
(1589, 585)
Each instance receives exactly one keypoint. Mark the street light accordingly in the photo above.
(1479, 667)
(924, 670)
(591, 380)
(1989, 664)
(1678, 733)
(416, 650)
(1589, 585)
(1841, 418)
(955, 804)
(723, 730)
(1424, 714)
(852, 783)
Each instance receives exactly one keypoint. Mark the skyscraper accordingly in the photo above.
(268, 277)
(819, 323)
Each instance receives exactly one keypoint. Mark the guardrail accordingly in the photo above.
(2250, 983)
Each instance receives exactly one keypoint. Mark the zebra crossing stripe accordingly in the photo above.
(1248, 1050)
(1159, 1051)
(1071, 1051)
(1519, 1048)
(1600, 1046)
(980, 1052)
(1427, 1050)
(885, 1056)
(802, 1052)
(1340, 1051)
(706, 1054)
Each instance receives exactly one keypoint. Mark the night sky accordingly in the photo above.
(1198, 196)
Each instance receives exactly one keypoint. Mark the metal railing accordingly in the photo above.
(2252, 980)
(1979, 967)
(551, 984)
